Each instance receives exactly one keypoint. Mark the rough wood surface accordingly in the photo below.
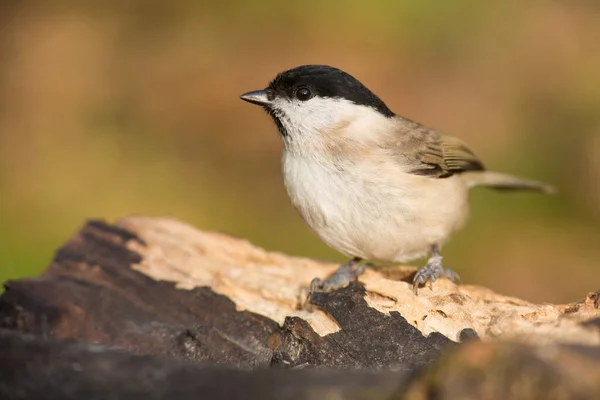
(274, 285)
(150, 308)
(94, 291)
(36, 368)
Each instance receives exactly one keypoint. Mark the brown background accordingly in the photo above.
(115, 108)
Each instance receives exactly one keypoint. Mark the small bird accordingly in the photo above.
(370, 183)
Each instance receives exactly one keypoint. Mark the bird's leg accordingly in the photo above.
(433, 270)
(345, 274)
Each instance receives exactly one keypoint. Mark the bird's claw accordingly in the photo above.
(345, 274)
(431, 272)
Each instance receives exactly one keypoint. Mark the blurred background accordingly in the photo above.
(110, 108)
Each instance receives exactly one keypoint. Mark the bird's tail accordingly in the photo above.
(501, 181)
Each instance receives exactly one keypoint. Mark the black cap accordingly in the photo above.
(326, 81)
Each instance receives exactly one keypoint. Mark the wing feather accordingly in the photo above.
(435, 154)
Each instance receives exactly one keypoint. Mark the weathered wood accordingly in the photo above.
(271, 284)
(34, 368)
(504, 370)
(152, 307)
(91, 293)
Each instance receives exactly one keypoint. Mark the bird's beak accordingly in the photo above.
(259, 97)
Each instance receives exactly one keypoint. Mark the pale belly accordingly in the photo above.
(385, 215)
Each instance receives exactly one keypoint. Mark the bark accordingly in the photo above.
(153, 308)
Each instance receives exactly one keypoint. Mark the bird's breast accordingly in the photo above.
(373, 210)
(317, 190)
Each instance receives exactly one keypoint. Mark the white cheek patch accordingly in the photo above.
(305, 121)
(314, 115)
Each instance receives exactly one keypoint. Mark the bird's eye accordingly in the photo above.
(303, 93)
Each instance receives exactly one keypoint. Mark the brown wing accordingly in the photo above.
(434, 154)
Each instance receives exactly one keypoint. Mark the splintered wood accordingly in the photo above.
(275, 285)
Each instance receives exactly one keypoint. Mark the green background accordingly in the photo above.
(110, 109)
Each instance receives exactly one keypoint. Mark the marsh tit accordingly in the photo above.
(371, 184)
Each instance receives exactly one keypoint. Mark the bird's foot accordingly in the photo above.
(431, 272)
(345, 274)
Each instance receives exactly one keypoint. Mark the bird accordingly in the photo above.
(371, 184)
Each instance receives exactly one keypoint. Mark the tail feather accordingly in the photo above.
(497, 180)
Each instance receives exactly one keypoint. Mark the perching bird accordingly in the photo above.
(371, 184)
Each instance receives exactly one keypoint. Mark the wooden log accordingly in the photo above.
(158, 288)
(36, 368)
